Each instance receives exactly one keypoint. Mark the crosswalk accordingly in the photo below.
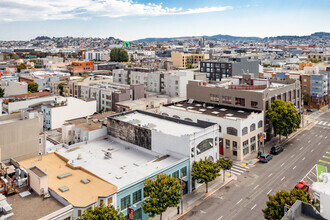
(324, 123)
(237, 169)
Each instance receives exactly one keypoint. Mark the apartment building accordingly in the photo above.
(247, 92)
(51, 62)
(13, 87)
(44, 81)
(172, 83)
(21, 135)
(239, 128)
(96, 55)
(233, 66)
(81, 67)
(62, 109)
(181, 59)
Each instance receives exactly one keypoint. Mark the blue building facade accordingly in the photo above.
(131, 196)
(46, 113)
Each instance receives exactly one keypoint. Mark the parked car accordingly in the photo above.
(264, 158)
(302, 185)
(276, 149)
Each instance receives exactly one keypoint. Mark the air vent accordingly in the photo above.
(64, 175)
(85, 181)
(223, 109)
(210, 107)
(215, 112)
(63, 188)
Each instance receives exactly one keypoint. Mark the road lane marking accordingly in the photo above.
(254, 206)
(319, 143)
(312, 150)
(283, 178)
(323, 161)
(301, 148)
(309, 141)
(269, 191)
(282, 164)
(220, 217)
(292, 156)
(304, 158)
(270, 175)
(256, 187)
(203, 212)
(326, 137)
(294, 167)
(239, 201)
(326, 157)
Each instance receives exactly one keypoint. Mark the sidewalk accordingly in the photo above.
(196, 197)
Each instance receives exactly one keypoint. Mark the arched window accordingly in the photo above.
(260, 124)
(204, 145)
(175, 116)
(219, 128)
(244, 131)
(165, 114)
(188, 119)
(232, 131)
(253, 127)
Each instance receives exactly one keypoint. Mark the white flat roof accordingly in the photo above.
(126, 165)
(159, 124)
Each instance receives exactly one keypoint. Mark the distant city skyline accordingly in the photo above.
(133, 20)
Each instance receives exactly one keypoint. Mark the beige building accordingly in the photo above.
(181, 59)
(21, 135)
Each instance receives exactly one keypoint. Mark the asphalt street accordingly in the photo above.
(246, 197)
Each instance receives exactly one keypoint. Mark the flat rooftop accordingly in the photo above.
(125, 166)
(215, 110)
(32, 206)
(55, 165)
(161, 124)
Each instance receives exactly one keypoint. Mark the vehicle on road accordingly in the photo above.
(302, 185)
(264, 158)
(276, 149)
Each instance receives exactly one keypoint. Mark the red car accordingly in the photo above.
(302, 185)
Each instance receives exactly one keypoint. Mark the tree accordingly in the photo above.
(225, 164)
(306, 97)
(21, 67)
(160, 193)
(2, 92)
(102, 212)
(33, 87)
(119, 55)
(190, 66)
(276, 203)
(284, 117)
(60, 87)
(205, 171)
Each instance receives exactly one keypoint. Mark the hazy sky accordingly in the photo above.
(135, 19)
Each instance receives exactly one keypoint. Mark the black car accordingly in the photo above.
(276, 149)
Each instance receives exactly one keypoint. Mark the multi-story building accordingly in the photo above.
(21, 135)
(50, 62)
(81, 67)
(222, 68)
(62, 109)
(96, 55)
(181, 59)
(13, 87)
(247, 92)
(44, 81)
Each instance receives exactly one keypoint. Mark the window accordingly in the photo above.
(204, 145)
(253, 143)
(137, 196)
(227, 144)
(183, 171)
(244, 131)
(253, 127)
(246, 147)
(240, 101)
(219, 129)
(138, 214)
(79, 212)
(125, 202)
(214, 98)
(260, 124)
(226, 99)
(176, 174)
(254, 104)
(110, 201)
(232, 131)
(235, 145)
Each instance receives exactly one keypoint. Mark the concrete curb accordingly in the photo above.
(202, 199)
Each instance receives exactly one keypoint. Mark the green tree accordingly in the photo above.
(160, 193)
(60, 87)
(306, 97)
(190, 66)
(33, 87)
(102, 212)
(21, 67)
(225, 164)
(2, 92)
(284, 117)
(205, 171)
(276, 203)
(119, 55)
